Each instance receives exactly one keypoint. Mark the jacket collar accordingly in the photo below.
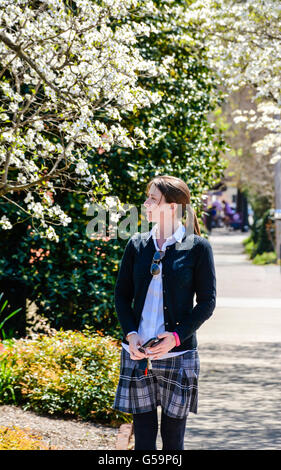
(147, 237)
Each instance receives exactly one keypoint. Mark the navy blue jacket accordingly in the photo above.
(185, 273)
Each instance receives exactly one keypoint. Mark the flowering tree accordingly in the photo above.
(243, 40)
(68, 75)
(180, 141)
(252, 171)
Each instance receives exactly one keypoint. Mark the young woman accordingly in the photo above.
(160, 272)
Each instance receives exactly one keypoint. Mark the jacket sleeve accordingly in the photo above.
(205, 290)
(124, 290)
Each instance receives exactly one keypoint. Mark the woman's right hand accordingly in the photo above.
(135, 342)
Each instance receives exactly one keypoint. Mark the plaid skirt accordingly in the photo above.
(171, 383)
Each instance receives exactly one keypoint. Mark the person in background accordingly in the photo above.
(217, 218)
(228, 213)
(236, 221)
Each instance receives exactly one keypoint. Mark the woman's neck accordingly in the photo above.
(163, 232)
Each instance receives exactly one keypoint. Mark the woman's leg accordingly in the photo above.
(145, 430)
(172, 432)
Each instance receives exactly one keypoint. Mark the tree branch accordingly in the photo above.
(23, 56)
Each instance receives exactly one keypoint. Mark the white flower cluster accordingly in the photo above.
(70, 67)
(82, 168)
(46, 211)
(51, 234)
(5, 224)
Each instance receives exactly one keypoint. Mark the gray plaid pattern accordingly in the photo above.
(171, 383)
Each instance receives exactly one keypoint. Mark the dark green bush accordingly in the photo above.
(266, 235)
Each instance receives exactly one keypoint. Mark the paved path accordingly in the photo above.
(239, 347)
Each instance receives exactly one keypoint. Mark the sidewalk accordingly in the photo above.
(239, 346)
(248, 306)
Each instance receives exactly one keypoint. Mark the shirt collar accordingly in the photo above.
(177, 235)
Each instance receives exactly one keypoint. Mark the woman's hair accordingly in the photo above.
(176, 190)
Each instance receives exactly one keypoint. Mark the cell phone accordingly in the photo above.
(150, 343)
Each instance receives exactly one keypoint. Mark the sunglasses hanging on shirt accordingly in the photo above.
(158, 256)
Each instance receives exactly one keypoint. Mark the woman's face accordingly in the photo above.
(157, 209)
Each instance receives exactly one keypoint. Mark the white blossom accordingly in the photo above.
(28, 198)
(51, 234)
(110, 201)
(115, 217)
(82, 168)
(5, 223)
(105, 178)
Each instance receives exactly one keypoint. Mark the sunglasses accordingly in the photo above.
(155, 269)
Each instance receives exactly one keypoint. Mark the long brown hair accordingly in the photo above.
(176, 190)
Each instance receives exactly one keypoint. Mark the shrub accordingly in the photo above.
(18, 439)
(69, 373)
(7, 381)
(266, 235)
(260, 245)
(265, 258)
(249, 246)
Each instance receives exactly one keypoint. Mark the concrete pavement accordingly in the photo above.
(248, 304)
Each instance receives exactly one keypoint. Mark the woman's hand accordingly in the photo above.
(162, 348)
(135, 342)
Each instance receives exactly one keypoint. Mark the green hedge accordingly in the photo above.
(260, 245)
(68, 373)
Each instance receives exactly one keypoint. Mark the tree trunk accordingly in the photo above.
(242, 207)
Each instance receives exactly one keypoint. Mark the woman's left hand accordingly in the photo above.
(166, 345)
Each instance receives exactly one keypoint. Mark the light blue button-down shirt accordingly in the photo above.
(152, 319)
